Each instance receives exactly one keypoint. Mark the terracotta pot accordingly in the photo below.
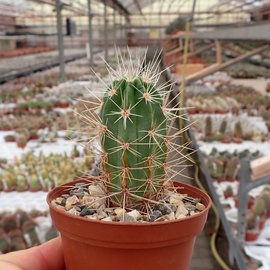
(227, 196)
(9, 139)
(99, 245)
(63, 105)
(237, 140)
(262, 223)
(21, 145)
(252, 236)
(22, 189)
(34, 137)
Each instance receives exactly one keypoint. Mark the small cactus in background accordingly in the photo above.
(21, 180)
(4, 243)
(259, 207)
(251, 222)
(16, 240)
(223, 126)
(228, 192)
(238, 132)
(75, 152)
(267, 88)
(231, 168)
(9, 222)
(265, 195)
(208, 127)
(21, 140)
(30, 234)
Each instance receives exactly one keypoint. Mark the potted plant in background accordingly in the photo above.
(133, 215)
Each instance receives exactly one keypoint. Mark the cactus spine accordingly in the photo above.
(133, 139)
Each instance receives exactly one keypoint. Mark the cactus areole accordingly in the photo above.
(133, 139)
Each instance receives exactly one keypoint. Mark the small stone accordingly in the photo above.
(163, 218)
(91, 217)
(54, 204)
(86, 199)
(73, 211)
(107, 219)
(101, 215)
(190, 207)
(200, 206)
(59, 200)
(181, 210)
(86, 212)
(164, 208)
(68, 205)
(134, 213)
(63, 202)
(108, 210)
(73, 199)
(120, 212)
(155, 215)
(192, 213)
(96, 191)
(180, 216)
(79, 193)
(171, 216)
(98, 202)
(82, 206)
(93, 202)
(79, 184)
(77, 208)
(128, 218)
(176, 198)
(65, 196)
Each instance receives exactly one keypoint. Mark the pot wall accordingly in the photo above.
(100, 245)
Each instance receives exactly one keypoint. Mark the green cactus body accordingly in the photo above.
(208, 127)
(238, 133)
(133, 139)
(223, 126)
(259, 207)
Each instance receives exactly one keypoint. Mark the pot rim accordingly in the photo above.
(129, 224)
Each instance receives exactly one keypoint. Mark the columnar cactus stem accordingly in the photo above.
(134, 139)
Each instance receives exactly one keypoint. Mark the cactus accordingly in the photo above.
(134, 138)
(21, 140)
(238, 133)
(231, 168)
(133, 119)
(267, 88)
(9, 223)
(4, 243)
(228, 192)
(208, 127)
(251, 222)
(21, 180)
(266, 197)
(223, 126)
(259, 207)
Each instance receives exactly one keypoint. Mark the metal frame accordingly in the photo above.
(235, 251)
(59, 6)
(105, 30)
(90, 34)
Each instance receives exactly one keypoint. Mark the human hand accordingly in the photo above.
(48, 256)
